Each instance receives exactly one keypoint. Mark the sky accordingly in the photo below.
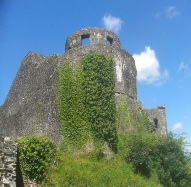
(156, 33)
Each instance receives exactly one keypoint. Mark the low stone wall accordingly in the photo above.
(8, 160)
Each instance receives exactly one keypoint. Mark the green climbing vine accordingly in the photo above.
(131, 116)
(100, 97)
(86, 101)
(71, 107)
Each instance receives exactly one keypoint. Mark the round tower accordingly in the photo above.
(94, 35)
(94, 40)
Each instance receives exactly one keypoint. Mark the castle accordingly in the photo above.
(30, 107)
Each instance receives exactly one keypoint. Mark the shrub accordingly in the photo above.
(149, 152)
(36, 153)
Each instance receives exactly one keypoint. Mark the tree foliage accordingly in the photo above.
(148, 153)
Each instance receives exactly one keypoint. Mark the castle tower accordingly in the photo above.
(30, 107)
(107, 43)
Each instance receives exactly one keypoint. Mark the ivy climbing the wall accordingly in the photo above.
(98, 86)
(71, 107)
(86, 101)
(130, 116)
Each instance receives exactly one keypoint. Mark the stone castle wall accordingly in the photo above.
(30, 107)
(157, 119)
(8, 160)
(107, 43)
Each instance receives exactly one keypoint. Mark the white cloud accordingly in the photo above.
(171, 12)
(112, 23)
(148, 67)
(177, 127)
(184, 68)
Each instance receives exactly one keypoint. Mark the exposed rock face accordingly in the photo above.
(30, 107)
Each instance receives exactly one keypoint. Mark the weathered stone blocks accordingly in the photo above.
(8, 160)
(30, 107)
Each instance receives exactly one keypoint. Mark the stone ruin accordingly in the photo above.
(8, 159)
(30, 107)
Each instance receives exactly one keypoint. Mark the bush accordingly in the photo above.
(149, 152)
(140, 152)
(36, 153)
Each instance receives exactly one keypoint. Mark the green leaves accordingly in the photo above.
(86, 101)
(71, 108)
(98, 86)
(149, 152)
(35, 156)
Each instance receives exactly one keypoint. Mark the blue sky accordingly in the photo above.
(156, 33)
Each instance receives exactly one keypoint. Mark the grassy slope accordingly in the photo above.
(87, 170)
(76, 170)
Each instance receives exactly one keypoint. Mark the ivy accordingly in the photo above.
(130, 116)
(86, 101)
(71, 107)
(100, 97)
(36, 153)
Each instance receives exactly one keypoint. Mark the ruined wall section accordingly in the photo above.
(107, 43)
(157, 119)
(30, 107)
(8, 159)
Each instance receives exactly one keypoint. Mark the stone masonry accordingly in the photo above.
(30, 107)
(8, 160)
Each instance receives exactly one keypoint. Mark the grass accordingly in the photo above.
(86, 170)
